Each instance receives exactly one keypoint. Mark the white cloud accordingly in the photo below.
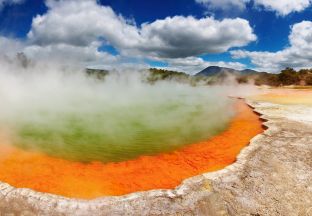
(193, 65)
(3, 3)
(284, 7)
(224, 4)
(10, 46)
(73, 30)
(281, 7)
(297, 55)
(179, 36)
(80, 23)
(65, 53)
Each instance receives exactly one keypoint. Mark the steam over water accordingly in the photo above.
(66, 114)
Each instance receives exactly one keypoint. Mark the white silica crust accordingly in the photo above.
(272, 176)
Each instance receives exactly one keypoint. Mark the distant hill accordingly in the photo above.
(248, 72)
(223, 71)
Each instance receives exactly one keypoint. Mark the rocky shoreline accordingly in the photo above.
(272, 176)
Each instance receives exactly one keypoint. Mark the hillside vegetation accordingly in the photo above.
(286, 77)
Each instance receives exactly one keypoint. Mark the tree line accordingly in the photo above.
(286, 77)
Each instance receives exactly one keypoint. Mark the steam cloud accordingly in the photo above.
(63, 112)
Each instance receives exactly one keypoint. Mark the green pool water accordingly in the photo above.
(114, 122)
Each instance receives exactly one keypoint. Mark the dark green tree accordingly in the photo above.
(289, 76)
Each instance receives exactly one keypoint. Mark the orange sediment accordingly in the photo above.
(89, 180)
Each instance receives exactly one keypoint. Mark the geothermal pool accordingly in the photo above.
(84, 138)
(112, 121)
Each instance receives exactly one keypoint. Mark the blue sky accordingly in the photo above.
(266, 35)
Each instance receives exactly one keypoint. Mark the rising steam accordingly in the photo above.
(63, 112)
